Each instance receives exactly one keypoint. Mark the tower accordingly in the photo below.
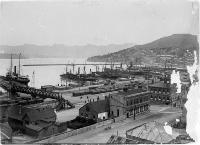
(33, 79)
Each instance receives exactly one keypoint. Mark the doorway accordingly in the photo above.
(127, 115)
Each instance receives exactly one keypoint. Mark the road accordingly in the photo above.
(158, 113)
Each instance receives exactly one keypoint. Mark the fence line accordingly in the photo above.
(60, 136)
(65, 135)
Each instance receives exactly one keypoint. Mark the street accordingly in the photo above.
(100, 135)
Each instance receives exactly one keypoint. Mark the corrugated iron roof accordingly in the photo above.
(98, 106)
(152, 131)
(132, 92)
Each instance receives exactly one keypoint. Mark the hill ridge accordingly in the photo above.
(181, 46)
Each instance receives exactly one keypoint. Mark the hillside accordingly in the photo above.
(60, 50)
(179, 46)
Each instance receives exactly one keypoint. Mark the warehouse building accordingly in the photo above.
(160, 93)
(129, 103)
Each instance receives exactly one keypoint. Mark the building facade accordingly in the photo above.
(129, 103)
(160, 93)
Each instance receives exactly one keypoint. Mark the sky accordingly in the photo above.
(100, 22)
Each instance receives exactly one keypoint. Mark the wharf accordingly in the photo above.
(77, 88)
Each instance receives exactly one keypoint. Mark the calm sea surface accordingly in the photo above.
(44, 75)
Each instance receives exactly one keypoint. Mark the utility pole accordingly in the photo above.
(84, 70)
(78, 70)
(73, 68)
(33, 79)
(148, 81)
(134, 114)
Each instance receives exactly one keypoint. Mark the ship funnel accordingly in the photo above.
(15, 69)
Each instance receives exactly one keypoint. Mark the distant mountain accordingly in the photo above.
(178, 47)
(60, 50)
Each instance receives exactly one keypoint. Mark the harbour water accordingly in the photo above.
(45, 75)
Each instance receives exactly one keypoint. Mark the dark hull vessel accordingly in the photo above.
(20, 94)
(78, 77)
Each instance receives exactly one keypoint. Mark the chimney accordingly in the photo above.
(125, 89)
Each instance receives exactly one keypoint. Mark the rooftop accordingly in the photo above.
(122, 140)
(160, 85)
(41, 105)
(18, 112)
(152, 131)
(38, 127)
(131, 93)
(98, 106)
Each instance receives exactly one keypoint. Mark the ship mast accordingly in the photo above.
(11, 64)
(19, 64)
(66, 74)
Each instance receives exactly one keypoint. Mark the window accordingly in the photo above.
(117, 112)
(94, 116)
(26, 122)
(87, 108)
(127, 103)
(137, 109)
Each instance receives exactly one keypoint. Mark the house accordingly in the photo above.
(34, 120)
(129, 102)
(98, 110)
